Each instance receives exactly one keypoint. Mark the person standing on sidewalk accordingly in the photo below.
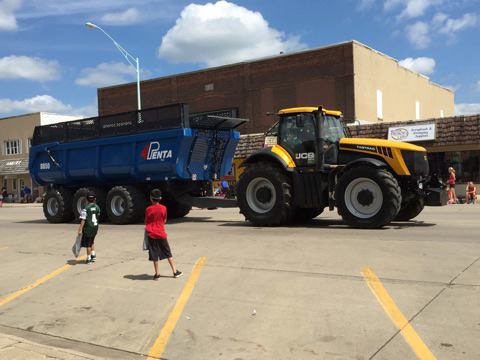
(158, 247)
(89, 226)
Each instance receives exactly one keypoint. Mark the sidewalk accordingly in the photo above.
(20, 205)
(15, 348)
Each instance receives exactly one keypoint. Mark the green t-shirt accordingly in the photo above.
(90, 214)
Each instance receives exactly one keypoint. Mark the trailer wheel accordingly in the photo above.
(176, 209)
(80, 201)
(306, 214)
(264, 195)
(411, 209)
(57, 205)
(368, 197)
(125, 204)
(101, 196)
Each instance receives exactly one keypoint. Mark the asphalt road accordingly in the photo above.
(263, 293)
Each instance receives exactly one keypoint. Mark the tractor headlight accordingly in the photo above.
(417, 162)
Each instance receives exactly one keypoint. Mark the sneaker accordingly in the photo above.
(156, 277)
(177, 274)
(88, 261)
(94, 257)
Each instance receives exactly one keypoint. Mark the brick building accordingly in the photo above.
(362, 83)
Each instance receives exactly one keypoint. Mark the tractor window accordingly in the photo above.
(297, 136)
(332, 129)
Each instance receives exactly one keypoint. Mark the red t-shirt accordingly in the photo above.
(155, 217)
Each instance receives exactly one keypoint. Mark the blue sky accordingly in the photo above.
(49, 61)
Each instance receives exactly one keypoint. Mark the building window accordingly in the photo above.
(13, 147)
(209, 87)
(417, 110)
(379, 105)
(29, 144)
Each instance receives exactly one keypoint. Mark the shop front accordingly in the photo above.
(15, 178)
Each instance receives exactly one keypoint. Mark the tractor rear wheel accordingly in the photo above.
(368, 197)
(176, 209)
(264, 195)
(125, 204)
(411, 209)
(57, 205)
(306, 214)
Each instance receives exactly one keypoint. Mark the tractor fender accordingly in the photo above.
(267, 154)
(367, 161)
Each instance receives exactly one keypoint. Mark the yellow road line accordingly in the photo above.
(392, 310)
(20, 292)
(159, 346)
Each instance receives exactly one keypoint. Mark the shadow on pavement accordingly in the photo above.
(39, 221)
(143, 277)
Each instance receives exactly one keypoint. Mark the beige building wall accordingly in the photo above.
(13, 167)
(386, 91)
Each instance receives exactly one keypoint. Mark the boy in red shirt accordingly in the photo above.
(158, 247)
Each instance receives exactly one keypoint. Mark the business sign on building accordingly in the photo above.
(421, 132)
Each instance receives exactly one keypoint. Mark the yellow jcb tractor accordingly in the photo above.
(309, 164)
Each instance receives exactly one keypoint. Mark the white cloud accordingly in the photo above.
(106, 74)
(34, 104)
(422, 65)
(410, 8)
(127, 17)
(45, 103)
(478, 85)
(418, 34)
(450, 26)
(467, 109)
(223, 32)
(31, 68)
(8, 21)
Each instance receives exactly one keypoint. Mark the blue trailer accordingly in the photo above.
(123, 156)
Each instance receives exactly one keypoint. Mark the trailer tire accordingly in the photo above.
(101, 201)
(368, 197)
(79, 201)
(411, 209)
(306, 214)
(57, 205)
(175, 208)
(264, 195)
(125, 204)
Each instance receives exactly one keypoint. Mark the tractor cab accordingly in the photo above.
(310, 135)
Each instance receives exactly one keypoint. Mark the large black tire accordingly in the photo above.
(176, 209)
(79, 201)
(125, 205)
(368, 197)
(306, 214)
(57, 205)
(411, 209)
(264, 195)
(101, 201)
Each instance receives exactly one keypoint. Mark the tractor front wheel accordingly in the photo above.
(368, 197)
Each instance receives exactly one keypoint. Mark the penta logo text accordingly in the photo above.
(152, 152)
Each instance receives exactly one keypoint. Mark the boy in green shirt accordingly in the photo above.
(89, 226)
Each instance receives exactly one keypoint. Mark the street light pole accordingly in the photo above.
(134, 61)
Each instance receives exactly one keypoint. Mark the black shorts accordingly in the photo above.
(451, 186)
(158, 249)
(87, 241)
